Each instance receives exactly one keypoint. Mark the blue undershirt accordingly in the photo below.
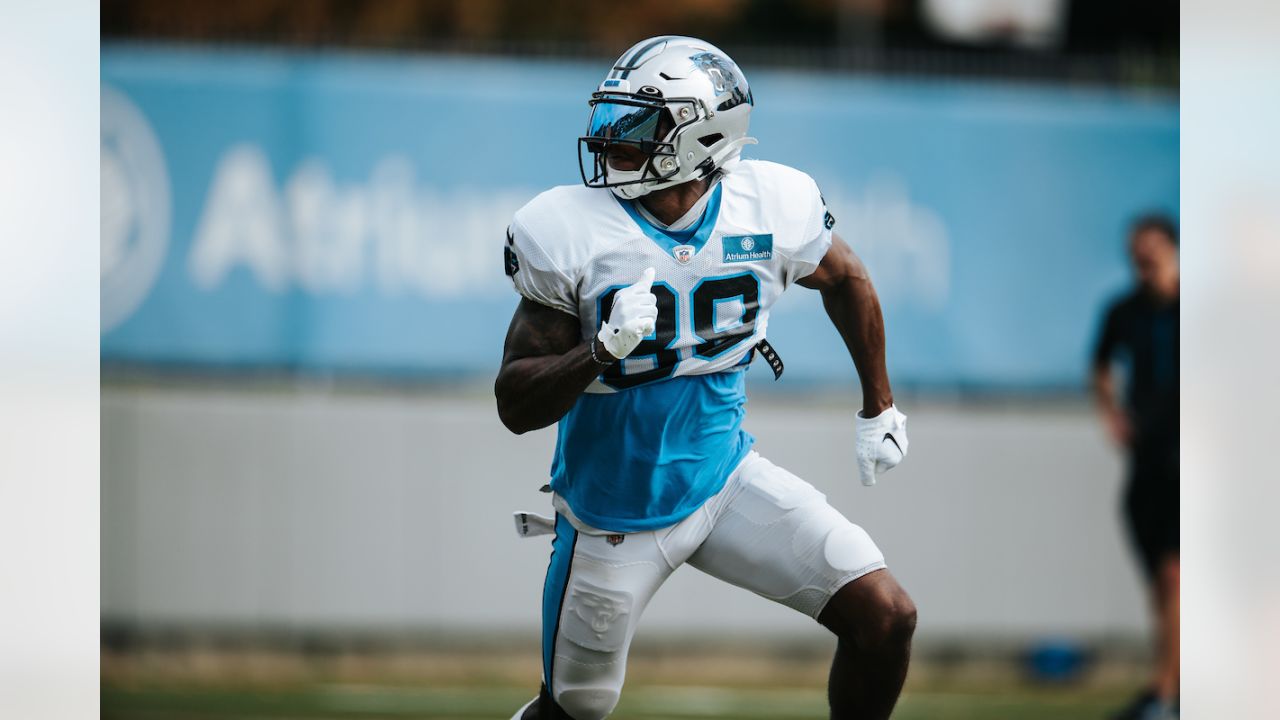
(646, 457)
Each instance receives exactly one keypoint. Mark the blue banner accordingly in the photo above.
(346, 213)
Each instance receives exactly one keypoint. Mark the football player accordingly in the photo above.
(646, 292)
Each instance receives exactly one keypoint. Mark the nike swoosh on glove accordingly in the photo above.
(631, 318)
(881, 443)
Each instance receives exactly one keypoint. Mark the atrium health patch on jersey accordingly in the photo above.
(745, 248)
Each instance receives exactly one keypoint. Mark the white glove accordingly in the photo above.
(634, 312)
(881, 443)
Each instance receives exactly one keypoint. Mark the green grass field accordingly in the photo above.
(639, 703)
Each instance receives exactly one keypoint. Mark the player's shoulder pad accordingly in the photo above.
(788, 197)
(559, 222)
(774, 175)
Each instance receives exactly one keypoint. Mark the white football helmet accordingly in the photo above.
(692, 85)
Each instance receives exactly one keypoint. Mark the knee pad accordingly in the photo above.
(544, 707)
(587, 703)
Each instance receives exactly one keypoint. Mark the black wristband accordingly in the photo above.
(596, 358)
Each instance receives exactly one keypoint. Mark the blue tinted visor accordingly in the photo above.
(626, 122)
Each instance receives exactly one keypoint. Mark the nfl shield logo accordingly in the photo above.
(615, 540)
(683, 253)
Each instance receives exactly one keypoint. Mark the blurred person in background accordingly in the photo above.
(1140, 331)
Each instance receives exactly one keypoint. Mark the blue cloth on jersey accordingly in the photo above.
(695, 235)
(647, 457)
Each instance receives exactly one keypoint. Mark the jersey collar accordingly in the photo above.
(695, 236)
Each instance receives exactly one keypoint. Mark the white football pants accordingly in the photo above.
(767, 531)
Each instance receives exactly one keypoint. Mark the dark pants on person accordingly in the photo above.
(1152, 502)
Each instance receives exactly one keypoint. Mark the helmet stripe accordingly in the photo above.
(630, 63)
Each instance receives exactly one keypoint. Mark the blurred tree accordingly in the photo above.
(884, 35)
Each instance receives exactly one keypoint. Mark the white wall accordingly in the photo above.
(308, 509)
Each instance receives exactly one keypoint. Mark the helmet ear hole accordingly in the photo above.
(709, 140)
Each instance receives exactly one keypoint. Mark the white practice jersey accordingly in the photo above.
(764, 227)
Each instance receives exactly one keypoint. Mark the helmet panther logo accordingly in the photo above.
(725, 78)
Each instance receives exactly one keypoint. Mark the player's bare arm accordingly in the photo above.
(545, 367)
(854, 308)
